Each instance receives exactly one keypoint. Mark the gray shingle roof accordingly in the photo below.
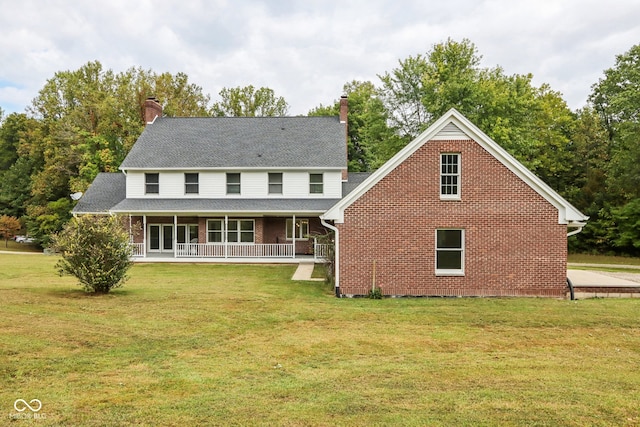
(106, 191)
(354, 179)
(240, 142)
(282, 206)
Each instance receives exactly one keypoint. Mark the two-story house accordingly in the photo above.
(226, 188)
(452, 214)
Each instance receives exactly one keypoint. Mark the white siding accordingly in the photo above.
(135, 185)
(171, 185)
(253, 184)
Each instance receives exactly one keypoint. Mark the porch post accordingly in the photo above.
(224, 234)
(144, 236)
(293, 235)
(175, 236)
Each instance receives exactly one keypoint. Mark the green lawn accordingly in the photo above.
(186, 345)
(603, 259)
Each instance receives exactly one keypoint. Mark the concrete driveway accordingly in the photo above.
(589, 284)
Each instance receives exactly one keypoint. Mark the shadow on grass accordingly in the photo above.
(80, 293)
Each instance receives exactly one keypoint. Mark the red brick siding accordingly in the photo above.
(514, 244)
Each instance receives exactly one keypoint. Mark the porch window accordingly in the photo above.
(233, 183)
(450, 252)
(316, 183)
(240, 231)
(187, 233)
(450, 176)
(214, 230)
(275, 182)
(301, 230)
(191, 185)
(151, 183)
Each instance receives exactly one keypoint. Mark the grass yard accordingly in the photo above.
(186, 345)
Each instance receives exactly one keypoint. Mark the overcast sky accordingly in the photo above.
(306, 50)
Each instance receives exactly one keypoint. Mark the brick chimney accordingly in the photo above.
(344, 112)
(152, 109)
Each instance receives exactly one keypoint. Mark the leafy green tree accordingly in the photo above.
(533, 124)
(249, 102)
(9, 227)
(11, 130)
(616, 98)
(88, 121)
(44, 220)
(625, 232)
(371, 142)
(96, 250)
(15, 188)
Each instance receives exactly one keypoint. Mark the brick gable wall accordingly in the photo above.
(514, 244)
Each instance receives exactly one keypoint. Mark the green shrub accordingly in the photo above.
(96, 250)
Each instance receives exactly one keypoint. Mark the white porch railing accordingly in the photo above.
(138, 249)
(320, 250)
(234, 250)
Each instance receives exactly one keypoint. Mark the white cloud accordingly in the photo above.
(307, 50)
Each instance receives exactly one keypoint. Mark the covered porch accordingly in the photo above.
(226, 238)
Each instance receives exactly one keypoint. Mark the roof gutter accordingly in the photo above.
(336, 262)
(579, 226)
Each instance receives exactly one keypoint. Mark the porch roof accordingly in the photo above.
(222, 206)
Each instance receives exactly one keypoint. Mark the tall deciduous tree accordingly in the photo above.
(371, 141)
(534, 124)
(249, 102)
(9, 226)
(89, 119)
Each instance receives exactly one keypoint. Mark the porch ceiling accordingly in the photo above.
(224, 206)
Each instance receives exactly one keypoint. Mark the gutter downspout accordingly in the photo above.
(336, 254)
(580, 226)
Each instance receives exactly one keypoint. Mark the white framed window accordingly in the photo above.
(238, 231)
(316, 183)
(450, 176)
(187, 233)
(450, 252)
(215, 229)
(151, 183)
(233, 183)
(191, 185)
(300, 231)
(275, 182)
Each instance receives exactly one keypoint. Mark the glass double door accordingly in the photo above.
(161, 238)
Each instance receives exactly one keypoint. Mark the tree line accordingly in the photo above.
(85, 121)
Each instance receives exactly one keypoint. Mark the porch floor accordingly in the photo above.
(169, 258)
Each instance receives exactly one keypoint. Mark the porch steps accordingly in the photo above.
(304, 271)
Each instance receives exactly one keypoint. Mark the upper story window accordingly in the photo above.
(316, 185)
(191, 185)
(275, 182)
(450, 252)
(152, 183)
(450, 176)
(233, 183)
